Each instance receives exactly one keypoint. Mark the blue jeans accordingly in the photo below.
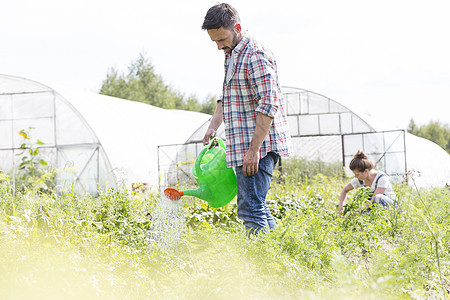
(251, 195)
(384, 200)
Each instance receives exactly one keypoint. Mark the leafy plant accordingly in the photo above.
(33, 170)
(82, 246)
(301, 170)
(201, 214)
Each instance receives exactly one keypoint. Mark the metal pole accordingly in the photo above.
(55, 139)
(98, 167)
(159, 170)
(404, 147)
(343, 155)
(12, 146)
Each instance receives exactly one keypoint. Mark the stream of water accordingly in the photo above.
(167, 223)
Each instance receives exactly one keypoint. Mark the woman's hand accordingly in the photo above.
(343, 196)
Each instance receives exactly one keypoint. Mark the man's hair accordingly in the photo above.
(221, 15)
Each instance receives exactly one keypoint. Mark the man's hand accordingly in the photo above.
(210, 133)
(252, 156)
(251, 163)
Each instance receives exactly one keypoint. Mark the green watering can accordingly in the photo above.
(216, 182)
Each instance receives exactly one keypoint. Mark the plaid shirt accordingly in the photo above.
(253, 88)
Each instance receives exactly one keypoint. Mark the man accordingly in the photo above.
(252, 108)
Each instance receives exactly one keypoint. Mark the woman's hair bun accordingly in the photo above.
(361, 162)
(360, 155)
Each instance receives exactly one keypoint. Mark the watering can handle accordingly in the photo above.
(205, 149)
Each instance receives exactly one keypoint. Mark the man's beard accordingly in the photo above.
(234, 42)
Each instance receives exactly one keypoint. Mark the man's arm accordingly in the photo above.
(216, 120)
(262, 76)
(251, 158)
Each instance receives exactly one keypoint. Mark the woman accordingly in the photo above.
(366, 175)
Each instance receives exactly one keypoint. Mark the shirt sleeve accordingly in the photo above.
(355, 183)
(383, 182)
(264, 83)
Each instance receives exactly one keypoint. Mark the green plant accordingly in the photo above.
(201, 214)
(69, 246)
(33, 170)
(300, 169)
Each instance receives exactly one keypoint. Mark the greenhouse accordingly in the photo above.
(325, 130)
(94, 141)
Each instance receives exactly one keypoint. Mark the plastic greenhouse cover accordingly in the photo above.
(131, 132)
(81, 123)
(429, 159)
(16, 85)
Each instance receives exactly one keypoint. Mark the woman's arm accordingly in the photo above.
(343, 196)
(380, 190)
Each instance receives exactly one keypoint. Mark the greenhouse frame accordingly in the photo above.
(327, 131)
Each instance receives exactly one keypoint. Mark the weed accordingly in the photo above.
(71, 246)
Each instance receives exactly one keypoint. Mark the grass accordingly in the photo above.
(105, 247)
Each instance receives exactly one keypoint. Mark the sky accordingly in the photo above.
(386, 58)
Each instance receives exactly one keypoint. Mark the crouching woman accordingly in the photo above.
(367, 176)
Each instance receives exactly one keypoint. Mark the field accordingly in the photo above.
(122, 245)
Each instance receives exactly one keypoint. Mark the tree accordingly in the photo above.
(434, 131)
(412, 127)
(142, 84)
(209, 106)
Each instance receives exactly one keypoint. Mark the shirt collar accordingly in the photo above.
(241, 45)
(243, 42)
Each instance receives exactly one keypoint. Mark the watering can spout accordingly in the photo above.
(201, 193)
(217, 183)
